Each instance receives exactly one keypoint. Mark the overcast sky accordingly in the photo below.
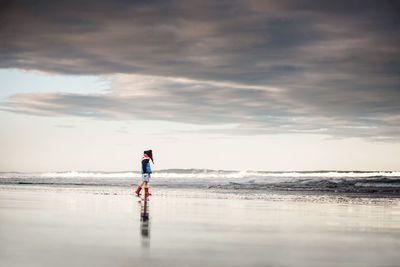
(265, 85)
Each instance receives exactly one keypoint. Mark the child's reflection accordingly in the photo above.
(145, 223)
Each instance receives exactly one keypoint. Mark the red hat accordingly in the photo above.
(149, 154)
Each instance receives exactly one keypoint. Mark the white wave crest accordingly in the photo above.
(205, 174)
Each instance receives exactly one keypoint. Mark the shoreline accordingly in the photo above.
(298, 195)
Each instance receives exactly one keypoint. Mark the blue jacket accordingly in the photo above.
(146, 165)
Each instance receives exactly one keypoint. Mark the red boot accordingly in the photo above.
(146, 192)
(138, 190)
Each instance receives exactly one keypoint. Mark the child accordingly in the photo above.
(146, 171)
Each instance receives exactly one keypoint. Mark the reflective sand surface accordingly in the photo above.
(45, 227)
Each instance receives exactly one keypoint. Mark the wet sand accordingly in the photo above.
(42, 226)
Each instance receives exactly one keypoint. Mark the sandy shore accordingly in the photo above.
(105, 227)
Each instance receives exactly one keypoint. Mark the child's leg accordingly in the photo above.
(146, 189)
(139, 188)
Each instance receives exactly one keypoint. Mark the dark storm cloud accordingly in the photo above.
(336, 62)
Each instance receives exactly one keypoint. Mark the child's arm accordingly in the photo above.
(148, 169)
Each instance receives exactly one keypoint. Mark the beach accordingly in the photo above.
(267, 133)
(104, 226)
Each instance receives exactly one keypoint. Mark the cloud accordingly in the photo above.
(152, 98)
(301, 66)
(244, 110)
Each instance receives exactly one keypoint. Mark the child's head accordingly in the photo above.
(149, 154)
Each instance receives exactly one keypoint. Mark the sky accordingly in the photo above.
(237, 85)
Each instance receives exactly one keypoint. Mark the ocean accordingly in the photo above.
(381, 183)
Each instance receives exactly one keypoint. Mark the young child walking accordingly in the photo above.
(146, 172)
